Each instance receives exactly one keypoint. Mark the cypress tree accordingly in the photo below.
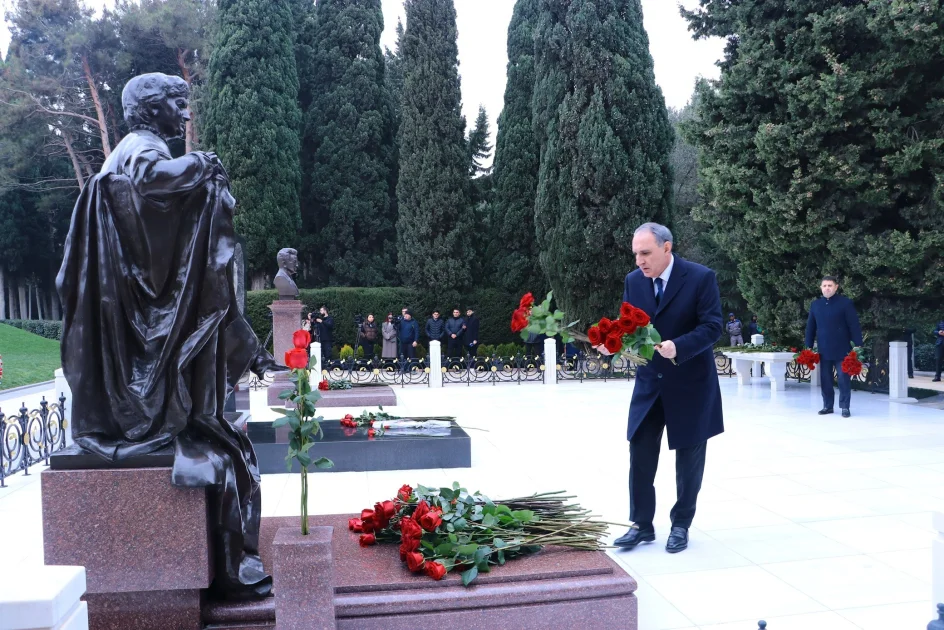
(513, 253)
(434, 225)
(821, 153)
(349, 140)
(605, 140)
(252, 122)
(479, 148)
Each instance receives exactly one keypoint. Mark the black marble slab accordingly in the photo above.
(352, 450)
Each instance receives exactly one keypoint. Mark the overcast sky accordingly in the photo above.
(483, 27)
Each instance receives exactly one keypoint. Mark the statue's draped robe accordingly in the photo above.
(153, 339)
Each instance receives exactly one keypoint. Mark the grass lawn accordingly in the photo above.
(27, 358)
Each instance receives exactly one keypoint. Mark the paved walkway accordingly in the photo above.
(811, 523)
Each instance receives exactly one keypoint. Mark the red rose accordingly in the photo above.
(355, 525)
(415, 561)
(606, 326)
(367, 520)
(519, 320)
(410, 530)
(421, 509)
(527, 301)
(793, 349)
(323, 385)
(296, 359)
(627, 326)
(431, 520)
(595, 336)
(371, 433)
(407, 547)
(383, 512)
(404, 493)
(366, 540)
(640, 317)
(614, 342)
(626, 310)
(435, 570)
(301, 339)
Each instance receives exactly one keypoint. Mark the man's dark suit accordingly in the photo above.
(834, 324)
(683, 398)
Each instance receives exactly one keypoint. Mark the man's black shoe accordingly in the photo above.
(845, 413)
(678, 540)
(936, 379)
(634, 536)
(824, 411)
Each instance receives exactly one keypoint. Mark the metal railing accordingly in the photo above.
(30, 437)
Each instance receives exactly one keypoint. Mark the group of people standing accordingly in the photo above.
(735, 329)
(400, 335)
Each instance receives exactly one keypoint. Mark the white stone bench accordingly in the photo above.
(776, 363)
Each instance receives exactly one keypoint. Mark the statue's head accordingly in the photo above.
(288, 259)
(158, 102)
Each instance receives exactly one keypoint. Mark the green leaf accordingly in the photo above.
(313, 396)
(445, 549)
(482, 553)
(279, 422)
(323, 462)
(502, 509)
(453, 538)
(467, 550)
(460, 523)
(286, 394)
(304, 460)
(468, 576)
(655, 336)
(525, 516)
(285, 412)
(489, 520)
(501, 557)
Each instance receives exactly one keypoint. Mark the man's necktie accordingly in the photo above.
(658, 283)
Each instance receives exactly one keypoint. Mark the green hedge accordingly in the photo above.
(50, 329)
(492, 306)
(924, 357)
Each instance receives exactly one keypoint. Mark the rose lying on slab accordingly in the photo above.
(450, 529)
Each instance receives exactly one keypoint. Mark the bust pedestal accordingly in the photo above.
(286, 319)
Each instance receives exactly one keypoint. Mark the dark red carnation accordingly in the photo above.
(404, 493)
(527, 301)
(366, 540)
(415, 561)
(435, 570)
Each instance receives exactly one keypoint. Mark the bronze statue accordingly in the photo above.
(153, 341)
(288, 264)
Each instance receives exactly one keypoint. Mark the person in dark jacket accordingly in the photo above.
(369, 333)
(436, 327)
(938, 350)
(834, 324)
(454, 329)
(409, 335)
(753, 328)
(471, 332)
(325, 325)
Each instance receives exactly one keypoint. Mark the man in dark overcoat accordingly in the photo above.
(678, 390)
(834, 324)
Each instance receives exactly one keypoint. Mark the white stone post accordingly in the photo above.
(44, 597)
(757, 340)
(742, 368)
(937, 559)
(62, 387)
(314, 375)
(755, 369)
(550, 361)
(898, 370)
(778, 375)
(816, 386)
(435, 364)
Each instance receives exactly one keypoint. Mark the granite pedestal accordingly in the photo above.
(143, 542)
(373, 590)
(286, 319)
(352, 449)
(359, 396)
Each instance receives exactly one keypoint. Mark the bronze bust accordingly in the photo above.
(288, 264)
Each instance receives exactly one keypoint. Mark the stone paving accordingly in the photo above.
(808, 522)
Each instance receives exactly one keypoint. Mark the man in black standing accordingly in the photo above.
(454, 334)
(938, 351)
(471, 334)
(678, 390)
(325, 324)
(436, 327)
(834, 324)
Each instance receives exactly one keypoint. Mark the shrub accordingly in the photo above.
(346, 352)
(50, 329)
(485, 350)
(924, 357)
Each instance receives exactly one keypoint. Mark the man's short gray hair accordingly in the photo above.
(663, 234)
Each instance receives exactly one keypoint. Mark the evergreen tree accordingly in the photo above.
(252, 122)
(822, 154)
(479, 148)
(513, 253)
(304, 19)
(393, 59)
(605, 141)
(349, 140)
(435, 223)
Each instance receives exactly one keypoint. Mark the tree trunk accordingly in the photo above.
(21, 291)
(76, 165)
(54, 303)
(115, 129)
(191, 139)
(96, 98)
(258, 280)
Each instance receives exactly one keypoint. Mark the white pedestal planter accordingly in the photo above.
(435, 364)
(550, 361)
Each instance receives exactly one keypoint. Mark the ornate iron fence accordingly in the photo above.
(724, 366)
(592, 366)
(31, 436)
(401, 371)
(519, 368)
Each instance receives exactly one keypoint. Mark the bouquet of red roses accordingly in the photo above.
(807, 358)
(631, 335)
(852, 364)
(450, 529)
(539, 319)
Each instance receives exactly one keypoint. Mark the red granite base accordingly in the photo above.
(153, 610)
(303, 579)
(375, 591)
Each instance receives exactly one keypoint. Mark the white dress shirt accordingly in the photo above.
(665, 277)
